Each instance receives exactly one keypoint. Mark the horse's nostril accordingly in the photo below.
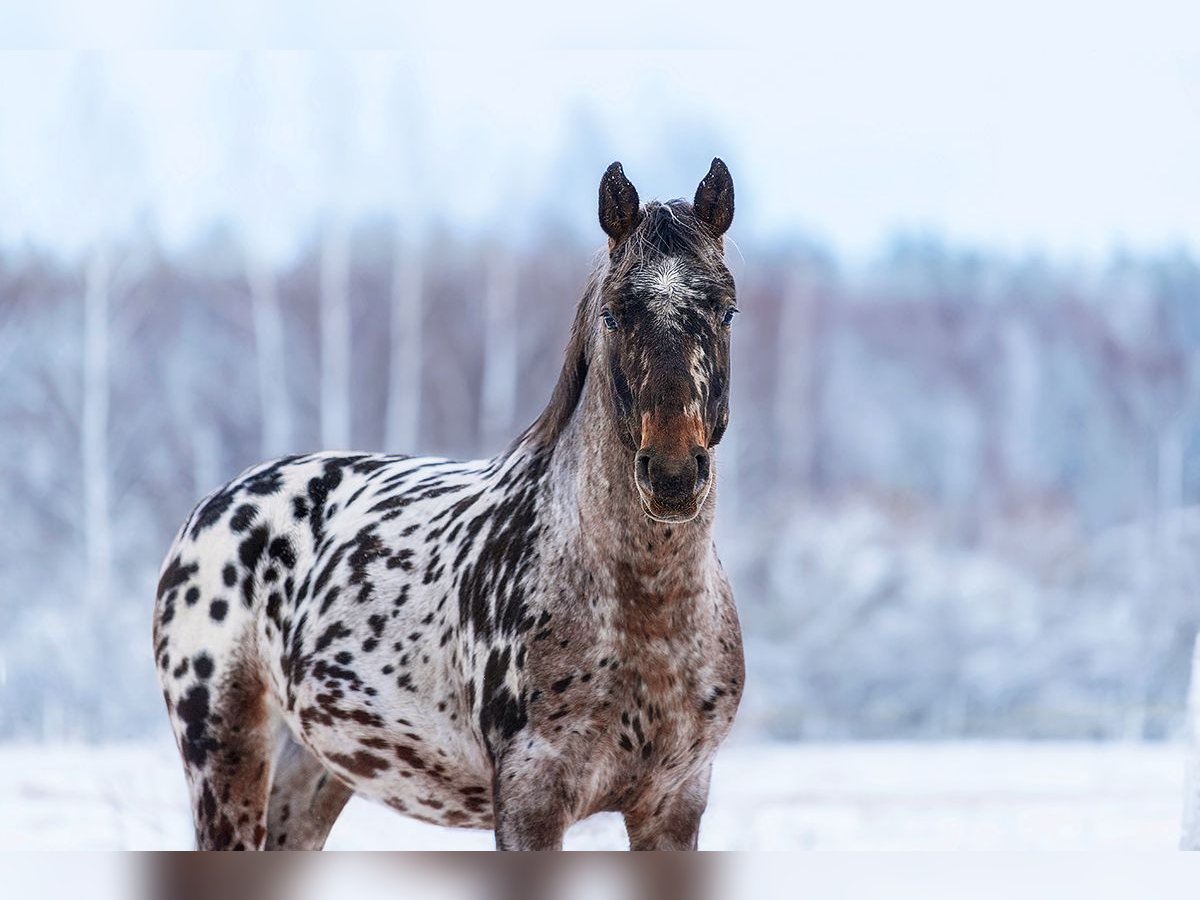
(642, 470)
(701, 468)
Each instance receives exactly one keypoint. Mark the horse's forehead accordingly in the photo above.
(669, 286)
(669, 277)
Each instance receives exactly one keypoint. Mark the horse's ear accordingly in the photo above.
(619, 209)
(714, 199)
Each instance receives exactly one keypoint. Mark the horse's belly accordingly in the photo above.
(408, 749)
(417, 773)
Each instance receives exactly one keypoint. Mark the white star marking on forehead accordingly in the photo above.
(667, 283)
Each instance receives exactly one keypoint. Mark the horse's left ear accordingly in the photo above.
(714, 199)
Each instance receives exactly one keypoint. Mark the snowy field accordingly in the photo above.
(821, 796)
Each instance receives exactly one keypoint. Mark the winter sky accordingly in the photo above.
(1071, 127)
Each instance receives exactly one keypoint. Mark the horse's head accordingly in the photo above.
(666, 303)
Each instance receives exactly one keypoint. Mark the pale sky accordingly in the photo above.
(1071, 130)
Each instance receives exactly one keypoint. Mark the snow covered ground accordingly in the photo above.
(823, 796)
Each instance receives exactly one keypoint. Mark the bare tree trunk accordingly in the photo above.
(795, 393)
(206, 459)
(1169, 471)
(405, 357)
(275, 409)
(335, 337)
(498, 398)
(96, 521)
(201, 432)
(1190, 839)
(1021, 380)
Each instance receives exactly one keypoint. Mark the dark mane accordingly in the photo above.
(546, 429)
(664, 229)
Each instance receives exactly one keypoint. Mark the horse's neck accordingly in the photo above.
(594, 496)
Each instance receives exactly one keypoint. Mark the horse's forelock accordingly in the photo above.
(665, 230)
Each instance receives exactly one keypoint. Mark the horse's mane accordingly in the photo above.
(547, 427)
(665, 229)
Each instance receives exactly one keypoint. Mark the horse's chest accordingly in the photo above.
(659, 715)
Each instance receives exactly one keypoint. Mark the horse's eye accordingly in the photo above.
(610, 321)
(729, 314)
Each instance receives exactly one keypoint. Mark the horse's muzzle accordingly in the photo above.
(672, 487)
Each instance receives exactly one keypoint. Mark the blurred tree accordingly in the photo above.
(332, 115)
(498, 388)
(251, 197)
(407, 307)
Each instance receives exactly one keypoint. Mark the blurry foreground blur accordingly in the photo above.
(763, 876)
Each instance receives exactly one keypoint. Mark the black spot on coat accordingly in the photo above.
(175, 574)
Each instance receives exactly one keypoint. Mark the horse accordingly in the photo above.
(512, 644)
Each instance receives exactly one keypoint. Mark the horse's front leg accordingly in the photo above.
(670, 821)
(531, 802)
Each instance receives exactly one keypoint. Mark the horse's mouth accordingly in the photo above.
(672, 515)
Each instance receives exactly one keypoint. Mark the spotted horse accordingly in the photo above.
(510, 644)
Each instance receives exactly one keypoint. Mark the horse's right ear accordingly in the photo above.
(714, 199)
(619, 207)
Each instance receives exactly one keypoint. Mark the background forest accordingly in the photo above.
(959, 492)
